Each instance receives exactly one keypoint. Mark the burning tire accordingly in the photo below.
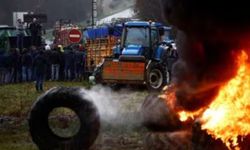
(156, 116)
(73, 99)
(156, 77)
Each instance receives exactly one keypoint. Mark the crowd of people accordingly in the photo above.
(38, 64)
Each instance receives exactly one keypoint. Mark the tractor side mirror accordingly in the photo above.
(161, 31)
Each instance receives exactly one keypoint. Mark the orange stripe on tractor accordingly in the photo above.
(123, 71)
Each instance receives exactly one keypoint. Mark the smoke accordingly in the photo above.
(211, 35)
(5, 11)
(119, 3)
(117, 107)
(208, 15)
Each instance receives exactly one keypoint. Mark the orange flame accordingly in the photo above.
(228, 116)
(184, 115)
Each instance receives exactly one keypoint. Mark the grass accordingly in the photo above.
(15, 103)
(17, 99)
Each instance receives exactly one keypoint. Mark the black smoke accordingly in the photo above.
(210, 38)
(201, 17)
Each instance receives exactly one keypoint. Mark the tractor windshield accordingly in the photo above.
(137, 36)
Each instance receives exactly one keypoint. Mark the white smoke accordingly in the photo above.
(116, 107)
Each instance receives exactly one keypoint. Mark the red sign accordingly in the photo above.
(75, 36)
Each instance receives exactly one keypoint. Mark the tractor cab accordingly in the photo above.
(139, 38)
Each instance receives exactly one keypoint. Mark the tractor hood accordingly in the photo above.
(132, 50)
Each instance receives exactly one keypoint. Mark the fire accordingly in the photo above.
(184, 115)
(227, 117)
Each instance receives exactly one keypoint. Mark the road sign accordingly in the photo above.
(75, 36)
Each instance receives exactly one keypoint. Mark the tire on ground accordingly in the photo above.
(74, 99)
(156, 116)
(156, 77)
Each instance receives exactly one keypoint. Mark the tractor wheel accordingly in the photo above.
(156, 77)
(70, 98)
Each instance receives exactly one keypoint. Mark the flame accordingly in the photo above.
(184, 115)
(228, 116)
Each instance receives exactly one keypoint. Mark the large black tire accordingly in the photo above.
(156, 116)
(156, 77)
(74, 99)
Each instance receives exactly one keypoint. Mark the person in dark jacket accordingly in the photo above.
(14, 62)
(26, 65)
(3, 68)
(69, 68)
(62, 64)
(34, 52)
(36, 31)
(79, 64)
(40, 65)
(55, 60)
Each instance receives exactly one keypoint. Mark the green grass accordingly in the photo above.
(16, 101)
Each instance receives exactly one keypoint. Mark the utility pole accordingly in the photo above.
(94, 12)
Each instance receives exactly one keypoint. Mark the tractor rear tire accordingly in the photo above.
(156, 77)
(74, 99)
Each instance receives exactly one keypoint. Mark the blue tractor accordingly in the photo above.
(140, 57)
